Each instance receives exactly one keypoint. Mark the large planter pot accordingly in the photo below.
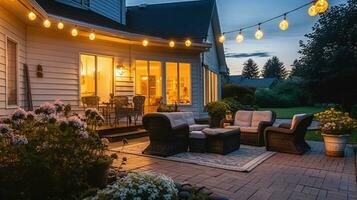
(215, 122)
(335, 144)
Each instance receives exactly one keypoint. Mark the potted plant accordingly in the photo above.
(217, 111)
(336, 128)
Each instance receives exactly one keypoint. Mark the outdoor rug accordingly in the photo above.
(244, 160)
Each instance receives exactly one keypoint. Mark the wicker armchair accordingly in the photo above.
(289, 138)
(121, 109)
(139, 102)
(90, 102)
(168, 135)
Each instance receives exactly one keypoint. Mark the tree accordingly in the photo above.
(329, 56)
(297, 69)
(250, 69)
(273, 68)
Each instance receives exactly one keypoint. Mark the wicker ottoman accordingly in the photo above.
(222, 141)
(197, 142)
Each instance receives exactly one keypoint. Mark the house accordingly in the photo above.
(255, 82)
(68, 49)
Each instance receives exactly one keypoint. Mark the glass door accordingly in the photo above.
(104, 78)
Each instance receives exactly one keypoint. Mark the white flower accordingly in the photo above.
(5, 130)
(17, 140)
(75, 122)
(83, 134)
(19, 113)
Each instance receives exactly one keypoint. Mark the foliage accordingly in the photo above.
(233, 104)
(336, 122)
(217, 111)
(354, 111)
(167, 108)
(244, 95)
(273, 68)
(47, 154)
(250, 69)
(328, 58)
(143, 185)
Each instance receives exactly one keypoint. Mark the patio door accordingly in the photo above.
(96, 76)
(148, 82)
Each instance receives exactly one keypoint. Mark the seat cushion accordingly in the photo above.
(249, 129)
(217, 131)
(232, 127)
(176, 119)
(296, 119)
(260, 116)
(243, 118)
(197, 135)
(188, 116)
(198, 127)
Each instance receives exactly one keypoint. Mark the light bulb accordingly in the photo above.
(92, 36)
(32, 16)
(47, 23)
(284, 24)
(172, 44)
(188, 43)
(240, 38)
(60, 25)
(222, 38)
(74, 32)
(145, 43)
(312, 11)
(321, 6)
(259, 34)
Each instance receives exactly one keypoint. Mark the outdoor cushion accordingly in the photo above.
(249, 129)
(197, 135)
(260, 116)
(296, 119)
(198, 127)
(176, 119)
(243, 118)
(188, 116)
(216, 131)
(232, 127)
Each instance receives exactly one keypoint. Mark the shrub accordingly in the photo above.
(217, 111)
(48, 154)
(354, 111)
(336, 122)
(233, 104)
(244, 95)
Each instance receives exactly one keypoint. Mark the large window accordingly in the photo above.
(178, 83)
(148, 82)
(11, 73)
(210, 86)
(96, 76)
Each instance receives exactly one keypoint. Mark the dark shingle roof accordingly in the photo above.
(256, 83)
(176, 20)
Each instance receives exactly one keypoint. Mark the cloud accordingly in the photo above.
(247, 55)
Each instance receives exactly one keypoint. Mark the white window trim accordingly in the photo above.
(7, 106)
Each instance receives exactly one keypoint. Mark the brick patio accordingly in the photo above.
(283, 176)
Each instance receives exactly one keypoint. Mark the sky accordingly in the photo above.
(235, 14)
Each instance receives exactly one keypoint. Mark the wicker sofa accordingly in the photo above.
(169, 132)
(289, 138)
(252, 125)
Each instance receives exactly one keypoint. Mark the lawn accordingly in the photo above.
(288, 113)
(316, 136)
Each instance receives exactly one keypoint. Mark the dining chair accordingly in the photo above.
(139, 102)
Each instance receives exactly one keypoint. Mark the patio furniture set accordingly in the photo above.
(172, 133)
(118, 106)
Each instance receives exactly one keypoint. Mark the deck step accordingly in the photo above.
(117, 137)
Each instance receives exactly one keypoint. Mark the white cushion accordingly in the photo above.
(215, 131)
(249, 129)
(190, 119)
(232, 127)
(198, 127)
(243, 118)
(197, 135)
(259, 116)
(296, 118)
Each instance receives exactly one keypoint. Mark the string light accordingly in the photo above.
(145, 43)
(92, 36)
(172, 44)
(321, 6)
(60, 25)
(32, 16)
(312, 11)
(74, 32)
(188, 43)
(47, 23)
(222, 38)
(259, 33)
(240, 37)
(284, 24)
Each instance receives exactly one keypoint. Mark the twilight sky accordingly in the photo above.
(235, 14)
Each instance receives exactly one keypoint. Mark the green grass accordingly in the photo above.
(316, 136)
(287, 113)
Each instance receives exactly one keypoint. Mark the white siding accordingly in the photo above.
(14, 29)
(211, 57)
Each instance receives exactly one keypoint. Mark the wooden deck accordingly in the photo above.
(283, 176)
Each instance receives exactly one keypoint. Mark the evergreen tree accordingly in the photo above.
(250, 69)
(273, 68)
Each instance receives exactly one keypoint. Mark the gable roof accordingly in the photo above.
(256, 83)
(178, 20)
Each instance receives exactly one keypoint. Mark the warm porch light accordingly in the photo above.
(240, 37)
(321, 6)
(47, 23)
(284, 24)
(60, 25)
(312, 11)
(188, 43)
(145, 43)
(172, 44)
(92, 36)
(32, 16)
(74, 32)
(259, 33)
(222, 38)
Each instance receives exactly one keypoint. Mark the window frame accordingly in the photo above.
(7, 106)
(210, 85)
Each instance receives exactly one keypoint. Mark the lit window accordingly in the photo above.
(210, 86)
(11, 73)
(178, 83)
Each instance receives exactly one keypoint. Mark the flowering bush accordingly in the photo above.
(142, 185)
(336, 122)
(48, 154)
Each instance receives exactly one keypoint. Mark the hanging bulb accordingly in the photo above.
(92, 36)
(240, 37)
(321, 6)
(259, 33)
(32, 16)
(145, 43)
(312, 11)
(74, 32)
(222, 38)
(188, 43)
(47, 23)
(60, 25)
(172, 44)
(284, 24)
